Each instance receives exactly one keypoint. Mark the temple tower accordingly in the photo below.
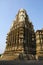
(20, 41)
(39, 44)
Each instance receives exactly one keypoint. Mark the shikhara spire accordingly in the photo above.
(22, 42)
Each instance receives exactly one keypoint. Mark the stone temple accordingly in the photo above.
(21, 41)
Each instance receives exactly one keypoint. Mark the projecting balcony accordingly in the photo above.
(21, 28)
(21, 32)
(41, 52)
(21, 36)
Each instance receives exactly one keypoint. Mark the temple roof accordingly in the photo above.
(22, 9)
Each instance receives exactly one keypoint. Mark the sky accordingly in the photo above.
(8, 11)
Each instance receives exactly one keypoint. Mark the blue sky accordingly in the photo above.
(8, 11)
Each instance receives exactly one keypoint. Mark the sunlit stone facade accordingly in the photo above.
(39, 44)
(22, 42)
